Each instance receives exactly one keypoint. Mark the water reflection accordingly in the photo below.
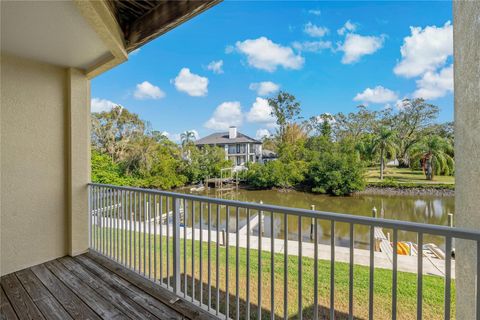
(424, 209)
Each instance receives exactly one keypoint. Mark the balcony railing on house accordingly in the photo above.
(246, 260)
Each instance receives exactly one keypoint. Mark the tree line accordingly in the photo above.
(328, 153)
(125, 151)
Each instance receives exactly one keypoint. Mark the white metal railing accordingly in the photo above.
(178, 240)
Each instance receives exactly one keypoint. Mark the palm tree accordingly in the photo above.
(434, 153)
(187, 137)
(384, 141)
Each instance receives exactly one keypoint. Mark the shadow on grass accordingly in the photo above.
(208, 297)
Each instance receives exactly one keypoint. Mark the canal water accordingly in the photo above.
(415, 208)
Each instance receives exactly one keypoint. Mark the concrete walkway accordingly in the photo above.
(342, 254)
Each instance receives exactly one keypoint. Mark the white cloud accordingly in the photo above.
(216, 66)
(315, 31)
(225, 115)
(312, 46)
(347, 27)
(264, 88)
(260, 112)
(264, 54)
(101, 105)
(425, 50)
(262, 133)
(435, 85)
(146, 90)
(378, 94)
(191, 83)
(315, 12)
(356, 46)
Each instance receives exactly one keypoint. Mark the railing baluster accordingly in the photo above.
(155, 208)
(116, 208)
(332, 269)
(135, 231)
(217, 260)
(110, 223)
(193, 250)
(300, 265)
(130, 215)
(123, 228)
(160, 245)
(259, 285)
(176, 246)
(145, 213)
(209, 259)
(90, 220)
(167, 200)
(350, 274)
(315, 270)
(272, 267)
(371, 273)
(448, 276)
(478, 281)
(200, 222)
(185, 211)
(237, 263)
(394, 275)
(420, 277)
(247, 299)
(149, 217)
(227, 269)
(285, 266)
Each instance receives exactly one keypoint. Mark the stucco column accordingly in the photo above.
(78, 160)
(466, 17)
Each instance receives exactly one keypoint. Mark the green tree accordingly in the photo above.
(434, 153)
(410, 124)
(286, 110)
(384, 143)
(112, 131)
(338, 171)
(187, 137)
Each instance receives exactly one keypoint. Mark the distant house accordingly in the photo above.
(239, 148)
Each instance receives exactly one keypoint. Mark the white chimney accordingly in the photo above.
(232, 132)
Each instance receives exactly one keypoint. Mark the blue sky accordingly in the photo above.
(216, 69)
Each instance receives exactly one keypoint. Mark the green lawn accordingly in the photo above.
(406, 176)
(433, 287)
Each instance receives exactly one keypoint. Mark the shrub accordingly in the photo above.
(336, 173)
(275, 174)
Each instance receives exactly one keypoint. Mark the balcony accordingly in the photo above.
(203, 248)
(160, 254)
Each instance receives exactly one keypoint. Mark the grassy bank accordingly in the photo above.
(407, 178)
(432, 286)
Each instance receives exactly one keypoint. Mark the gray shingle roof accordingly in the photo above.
(222, 138)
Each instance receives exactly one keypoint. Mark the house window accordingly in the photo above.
(231, 149)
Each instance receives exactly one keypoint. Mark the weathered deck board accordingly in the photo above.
(84, 288)
(98, 303)
(6, 309)
(122, 302)
(184, 307)
(74, 306)
(19, 298)
(148, 302)
(48, 305)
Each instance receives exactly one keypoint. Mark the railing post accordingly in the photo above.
(176, 245)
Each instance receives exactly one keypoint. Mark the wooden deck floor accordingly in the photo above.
(85, 287)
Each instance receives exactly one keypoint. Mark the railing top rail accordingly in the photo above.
(454, 232)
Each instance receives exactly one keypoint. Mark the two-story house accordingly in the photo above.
(239, 148)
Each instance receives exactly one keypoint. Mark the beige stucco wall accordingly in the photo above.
(44, 163)
(467, 148)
